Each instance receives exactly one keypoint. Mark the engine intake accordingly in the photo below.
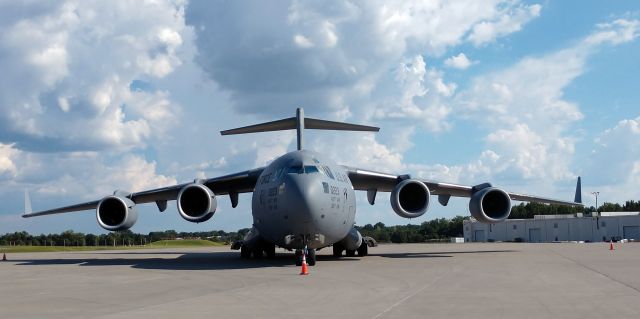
(116, 213)
(196, 203)
(410, 198)
(490, 205)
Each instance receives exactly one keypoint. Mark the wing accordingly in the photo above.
(367, 180)
(232, 184)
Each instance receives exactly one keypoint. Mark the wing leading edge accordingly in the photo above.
(367, 180)
(232, 185)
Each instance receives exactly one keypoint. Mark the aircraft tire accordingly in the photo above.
(363, 250)
(311, 257)
(257, 252)
(298, 257)
(270, 249)
(350, 253)
(245, 253)
(337, 250)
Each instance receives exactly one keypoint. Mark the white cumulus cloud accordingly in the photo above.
(509, 20)
(459, 61)
(7, 158)
(73, 62)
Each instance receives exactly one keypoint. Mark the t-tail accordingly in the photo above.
(299, 123)
(578, 197)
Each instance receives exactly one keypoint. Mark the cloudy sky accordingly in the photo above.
(103, 95)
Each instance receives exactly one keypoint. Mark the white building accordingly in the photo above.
(549, 228)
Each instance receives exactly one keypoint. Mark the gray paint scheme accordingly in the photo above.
(300, 199)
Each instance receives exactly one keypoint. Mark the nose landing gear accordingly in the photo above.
(311, 257)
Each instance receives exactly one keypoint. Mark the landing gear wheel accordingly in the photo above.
(270, 250)
(350, 253)
(363, 250)
(298, 257)
(245, 253)
(257, 251)
(337, 250)
(311, 257)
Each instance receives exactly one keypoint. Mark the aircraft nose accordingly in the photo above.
(304, 206)
(300, 190)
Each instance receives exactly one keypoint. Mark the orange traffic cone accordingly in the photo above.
(4, 257)
(304, 271)
(611, 245)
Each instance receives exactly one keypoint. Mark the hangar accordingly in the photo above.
(549, 228)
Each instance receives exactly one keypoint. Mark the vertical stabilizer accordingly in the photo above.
(299, 126)
(578, 198)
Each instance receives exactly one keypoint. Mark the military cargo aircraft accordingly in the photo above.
(302, 201)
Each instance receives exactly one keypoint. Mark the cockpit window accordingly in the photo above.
(296, 169)
(310, 169)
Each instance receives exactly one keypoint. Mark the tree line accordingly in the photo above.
(528, 210)
(440, 229)
(118, 238)
(434, 230)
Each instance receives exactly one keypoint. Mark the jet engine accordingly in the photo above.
(490, 205)
(196, 203)
(410, 198)
(116, 213)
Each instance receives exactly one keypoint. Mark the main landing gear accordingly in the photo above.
(362, 251)
(259, 250)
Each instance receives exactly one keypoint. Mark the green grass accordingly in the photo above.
(154, 245)
(184, 243)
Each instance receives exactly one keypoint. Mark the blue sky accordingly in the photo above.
(99, 96)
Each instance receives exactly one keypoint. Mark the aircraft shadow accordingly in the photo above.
(440, 254)
(220, 260)
(185, 261)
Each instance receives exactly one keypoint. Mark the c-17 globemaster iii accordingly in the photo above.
(302, 201)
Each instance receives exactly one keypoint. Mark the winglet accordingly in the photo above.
(27, 203)
(578, 198)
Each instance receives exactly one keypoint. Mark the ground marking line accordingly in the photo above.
(595, 270)
(397, 303)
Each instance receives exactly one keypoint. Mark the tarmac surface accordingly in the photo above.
(472, 280)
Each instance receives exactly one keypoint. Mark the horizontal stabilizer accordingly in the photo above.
(299, 123)
(316, 124)
(279, 125)
(309, 123)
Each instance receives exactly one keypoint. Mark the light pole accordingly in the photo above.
(596, 195)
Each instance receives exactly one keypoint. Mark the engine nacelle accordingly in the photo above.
(410, 198)
(116, 213)
(490, 205)
(196, 203)
(352, 241)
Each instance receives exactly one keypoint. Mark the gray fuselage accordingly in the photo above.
(301, 199)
